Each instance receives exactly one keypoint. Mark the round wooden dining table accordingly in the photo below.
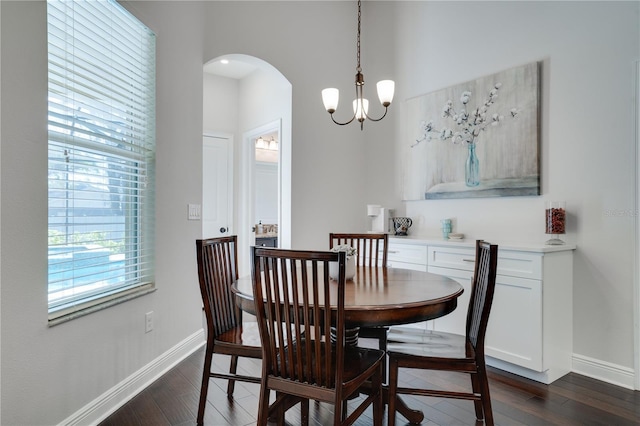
(384, 297)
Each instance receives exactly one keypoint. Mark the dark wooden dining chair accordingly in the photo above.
(226, 334)
(431, 350)
(372, 247)
(372, 250)
(302, 328)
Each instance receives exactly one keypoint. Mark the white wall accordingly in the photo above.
(220, 104)
(49, 373)
(588, 50)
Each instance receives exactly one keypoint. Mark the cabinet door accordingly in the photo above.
(514, 333)
(454, 322)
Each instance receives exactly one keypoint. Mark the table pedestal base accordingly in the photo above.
(414, 416)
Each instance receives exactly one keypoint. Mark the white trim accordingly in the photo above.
(546, 377)
(247, 209)
(602, 370)
(636, 268)
(107, 403)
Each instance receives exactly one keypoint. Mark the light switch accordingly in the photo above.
(194, 212)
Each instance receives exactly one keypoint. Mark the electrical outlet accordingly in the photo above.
(148, 321)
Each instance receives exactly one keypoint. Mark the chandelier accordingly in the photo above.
(386, 88)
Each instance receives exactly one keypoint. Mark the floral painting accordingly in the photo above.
(475, 139)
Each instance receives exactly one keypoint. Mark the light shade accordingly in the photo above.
(357, 108)
(385, 91)
(330, 98)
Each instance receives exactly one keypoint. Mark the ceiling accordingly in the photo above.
(236, 68)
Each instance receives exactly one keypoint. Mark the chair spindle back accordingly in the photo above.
(297, 313)
(372, 248)
(217, 271)
(482, 293)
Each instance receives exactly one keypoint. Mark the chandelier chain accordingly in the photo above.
(358, 68)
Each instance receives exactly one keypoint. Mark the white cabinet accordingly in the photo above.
(530, 329)
(407, 256)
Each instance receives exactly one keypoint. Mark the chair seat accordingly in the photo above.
(246, 335)
(427, 343)
(356, 359)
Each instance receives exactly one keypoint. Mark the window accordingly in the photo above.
(101, 126)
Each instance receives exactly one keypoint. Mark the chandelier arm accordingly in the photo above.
(342, 124)
(377, 119)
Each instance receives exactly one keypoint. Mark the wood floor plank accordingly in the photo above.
(571, 400)
(125, 416)
(147, 410)
(616, 400)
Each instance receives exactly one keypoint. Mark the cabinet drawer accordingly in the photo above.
(518, 264)
(463, 258)
(407, 253)
(510, 262)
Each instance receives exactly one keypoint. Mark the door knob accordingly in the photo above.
(223, 230)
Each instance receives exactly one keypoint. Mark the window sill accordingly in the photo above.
(64, 315)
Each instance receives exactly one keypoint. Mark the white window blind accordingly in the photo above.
(101, 126)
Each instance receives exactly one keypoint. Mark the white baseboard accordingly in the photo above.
(107, 403)
(601, 370)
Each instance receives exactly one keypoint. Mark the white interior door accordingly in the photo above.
(217, 181)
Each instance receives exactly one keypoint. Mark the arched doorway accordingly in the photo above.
(244, 97)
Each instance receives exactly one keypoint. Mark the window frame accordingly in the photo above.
(101, 123)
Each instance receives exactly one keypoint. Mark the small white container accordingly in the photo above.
(350, 268)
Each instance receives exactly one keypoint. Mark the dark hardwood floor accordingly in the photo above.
(571, 400)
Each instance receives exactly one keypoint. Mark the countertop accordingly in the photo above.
(267, 235)
(467, 242)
